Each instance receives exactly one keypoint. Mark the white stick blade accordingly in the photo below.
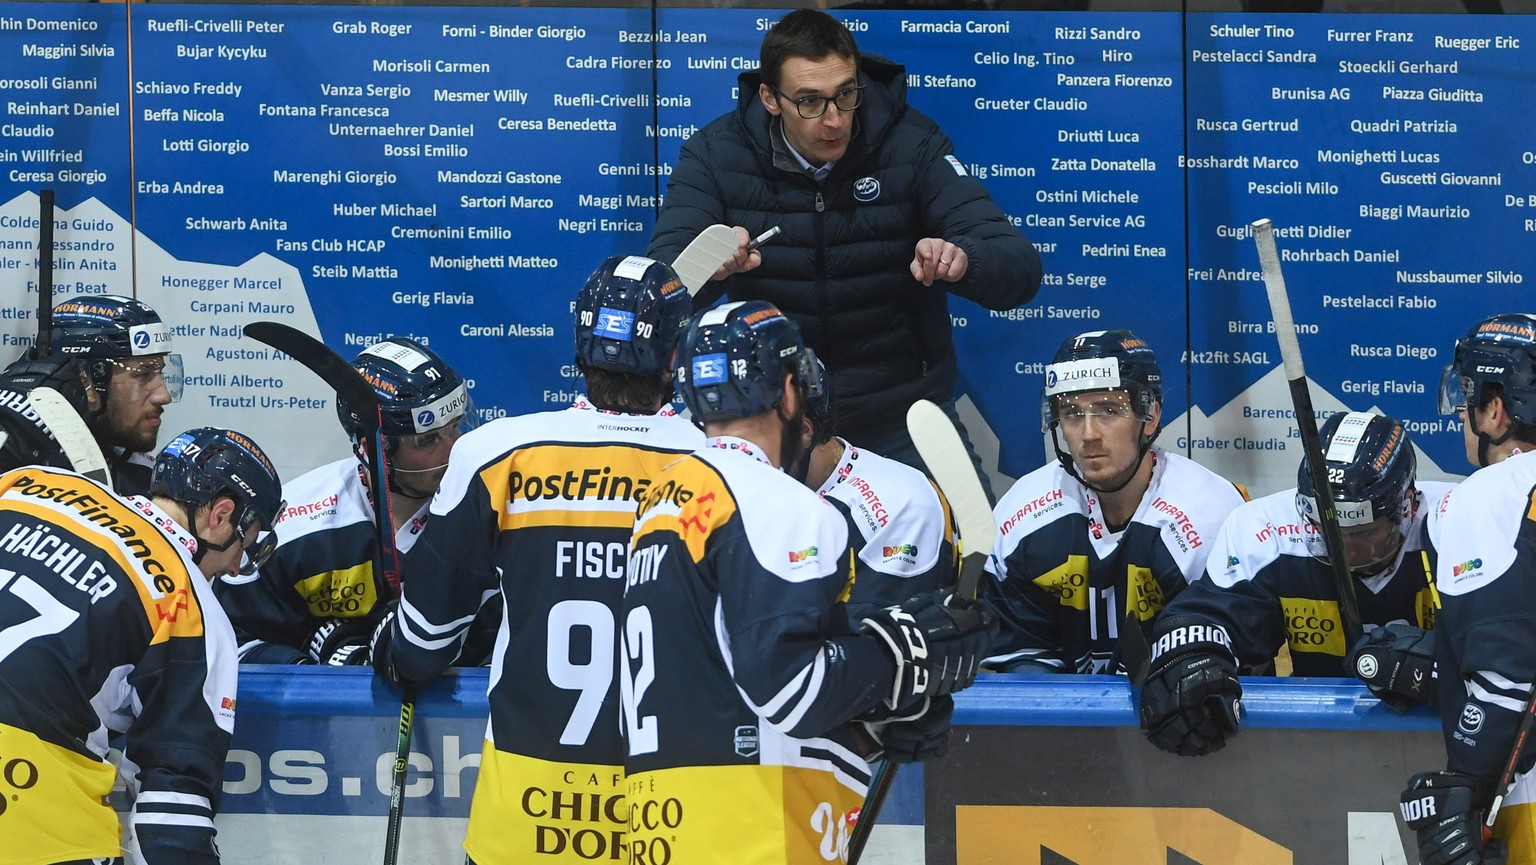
(70, 431)
(700, 259)
(950, 465)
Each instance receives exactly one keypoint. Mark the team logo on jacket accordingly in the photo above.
(1471, 718)
(746, 741)
(866, 189)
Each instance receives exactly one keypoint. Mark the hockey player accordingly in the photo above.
(1268, 584)
(318, 599)
(109, 627)
(534, 516)
(121, 350)
(737, 671)
(1485, 643)
(901, 544)
(1110, 532)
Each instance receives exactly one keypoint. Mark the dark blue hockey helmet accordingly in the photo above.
(1371, 469)
(1499, 350)
(1098, 361)
(202, 464)
(418, 391)
(105, 331)
(733, 359)
(630, 315)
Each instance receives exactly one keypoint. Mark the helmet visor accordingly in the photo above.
(256, 554)
(1455, 388)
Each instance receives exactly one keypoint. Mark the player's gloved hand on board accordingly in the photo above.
(378, 648)
(1446, 810)
(918, 733)
(1397, 663)
(339, 642)
(937, 641)
(1192, 702)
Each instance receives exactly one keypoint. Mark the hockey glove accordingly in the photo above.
(937, 642)
(1192, 702)
(1398, 664)
(924, 736)
(378, 650)
(340, 643)
(1446, 810)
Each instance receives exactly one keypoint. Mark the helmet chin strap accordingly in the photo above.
(1065, 457)
(1484, 440)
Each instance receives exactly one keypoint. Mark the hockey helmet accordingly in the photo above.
(103, 330)
(1498, 350)
(1102, 360)
(733, 359)
(630, 315)
(1371, 469)
(418, 391)
(203, 464)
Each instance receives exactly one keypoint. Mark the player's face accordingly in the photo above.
(226, 563)
(1103, 434)
(1371, 547)
(819, 139)
(421, 460)
(136, 398)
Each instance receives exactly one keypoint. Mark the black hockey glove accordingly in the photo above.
(339, 643)
(1398, 664)
(937, 642)
(1446, 809)
(924, 736)
(58, 371)
(1192, 701)
(378, 650)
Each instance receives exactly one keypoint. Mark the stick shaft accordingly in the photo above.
(1306, 423)
(44, 272)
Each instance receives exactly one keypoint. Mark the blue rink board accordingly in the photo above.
(305, 734)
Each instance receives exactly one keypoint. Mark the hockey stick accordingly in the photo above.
(1306, 421)
(63, 420)
(70, 431)
(950, 466)
(700, 259)
(1507, 777)
(351, 388)
(44, 272)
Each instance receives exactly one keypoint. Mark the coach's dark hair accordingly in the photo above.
(807, 33)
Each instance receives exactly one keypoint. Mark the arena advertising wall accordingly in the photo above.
(453, 174)
(1054, 771)
(1040, 771)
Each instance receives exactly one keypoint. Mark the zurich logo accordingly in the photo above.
(425, 417)
(866, 189)
(1050, 378)
(141, 339)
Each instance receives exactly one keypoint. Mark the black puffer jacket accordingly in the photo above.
(840, 269)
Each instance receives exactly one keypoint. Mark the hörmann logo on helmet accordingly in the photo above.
(1071, 376)
(1505, 328)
